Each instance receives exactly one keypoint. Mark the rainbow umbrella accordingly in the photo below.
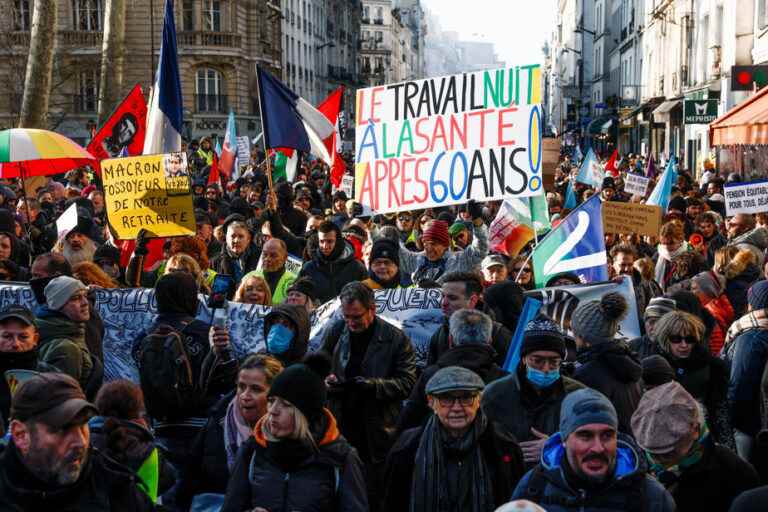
(26, 152)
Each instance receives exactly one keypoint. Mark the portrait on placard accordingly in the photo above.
(176, 173)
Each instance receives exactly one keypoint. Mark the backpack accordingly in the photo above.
(166, 375)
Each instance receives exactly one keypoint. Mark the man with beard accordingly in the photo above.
(273, 257)
(744, 233)
(77, 246)
(48, 464)
(384, 269)
(623, 258)
(239, 255)
(42, 232)
(589, 466)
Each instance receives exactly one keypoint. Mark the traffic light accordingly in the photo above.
(743, 77)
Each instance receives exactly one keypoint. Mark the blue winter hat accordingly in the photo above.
(584, 407)
(757, 296)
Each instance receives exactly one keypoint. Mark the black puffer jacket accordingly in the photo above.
(390, 365)
(516, 406)
(104, 485)
(612, 369)
(225, 264)
(331, 274)
(329, 480)
(478, 358)
(299, 317)
(439, 345)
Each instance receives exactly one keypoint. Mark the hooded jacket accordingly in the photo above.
(329, 480)
(103, 485)
(300, 318)
(630, 488)
(612, 369)
(755, 241)
(62, 346)
(330, 274)
(746, 356)
(740, 274)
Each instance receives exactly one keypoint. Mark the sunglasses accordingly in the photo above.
(525, 270)
(690, 340)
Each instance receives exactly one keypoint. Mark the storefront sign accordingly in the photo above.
(700, 111)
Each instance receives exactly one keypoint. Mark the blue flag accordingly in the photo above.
(531, 308)
(576, 245)
(663, 190)
(570, 197)
(165, 113)
(590, 172)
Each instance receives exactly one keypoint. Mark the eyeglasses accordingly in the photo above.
(690, 340)
(449, 400)
(553, 362)
(525, 270)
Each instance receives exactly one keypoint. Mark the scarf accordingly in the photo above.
(236, 431)
(752, 320)
(668, 476)
(664, 265)
(429, 489)
(428, 270)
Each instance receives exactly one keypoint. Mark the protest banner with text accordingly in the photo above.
(446, 140)
(623, 218)
(749, 197)
(151, 192)
(636, 185)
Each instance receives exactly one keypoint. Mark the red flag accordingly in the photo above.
(213, 175)
(125, 128)
(154, 245)
(610, 165)
(331, 107)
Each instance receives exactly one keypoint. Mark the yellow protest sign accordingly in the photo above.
(149, 192)
(637, 218)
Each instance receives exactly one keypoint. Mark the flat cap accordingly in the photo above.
(454, 378)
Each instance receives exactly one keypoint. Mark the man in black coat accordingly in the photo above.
(458, 460)
(373, 371)
(333, 264)
(49, 465)
(470, 334)
(240, 255)
(464, 290)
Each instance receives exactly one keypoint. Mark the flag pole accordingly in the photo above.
(263, 133)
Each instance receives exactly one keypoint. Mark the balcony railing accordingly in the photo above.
(210, 39)
(339, 73)
(16, 38)
(80, 38)
(212, 103)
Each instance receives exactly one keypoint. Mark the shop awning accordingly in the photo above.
(663, 110)
(602, 124)
(747, 123)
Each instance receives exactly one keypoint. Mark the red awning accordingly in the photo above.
(747, 123)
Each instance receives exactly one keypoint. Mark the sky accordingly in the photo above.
(518, 28)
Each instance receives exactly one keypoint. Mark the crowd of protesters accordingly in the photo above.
(672, 420)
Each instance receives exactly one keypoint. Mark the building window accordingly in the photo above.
(87, 15)
(379, 36)
(88, 91)
(188, 15)
(208, 91)
(21, 15)
(762, 13)
(212, 15)
(366, 14)
(379, 20)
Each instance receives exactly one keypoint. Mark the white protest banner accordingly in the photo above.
(636, 185)
(561, 301)
(751, 197)
(348, 185)
(129, 312)
(243, 150)
(446, 140)
(68, 221)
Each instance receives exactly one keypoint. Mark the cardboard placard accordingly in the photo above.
(637, 218)
(151, 192)
(445, 140)
(348, 185)
(636, 185)
(751, 197)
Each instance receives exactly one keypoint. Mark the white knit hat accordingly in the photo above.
(60, 290)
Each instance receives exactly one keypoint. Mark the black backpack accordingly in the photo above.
(167, 378)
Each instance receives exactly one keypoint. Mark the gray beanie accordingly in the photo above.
(597, 321)
(583, 407)
(60, 290)
(658, 307)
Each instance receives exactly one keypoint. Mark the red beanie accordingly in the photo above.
(437, 231)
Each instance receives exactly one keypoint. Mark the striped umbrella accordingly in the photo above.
(26, 152)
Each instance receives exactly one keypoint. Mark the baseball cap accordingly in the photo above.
(491, 260)
(55, 399)
(18, 313)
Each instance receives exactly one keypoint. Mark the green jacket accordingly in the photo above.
(280, 293)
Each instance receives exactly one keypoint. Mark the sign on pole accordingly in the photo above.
(150, 192)
(445, 140)
(637, 218)
(749, 197)
(699, 111)
(636, 185)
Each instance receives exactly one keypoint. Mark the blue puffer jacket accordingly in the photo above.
(747, 355)
(631, 489)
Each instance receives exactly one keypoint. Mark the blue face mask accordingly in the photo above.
(542, 379)
(279, 339)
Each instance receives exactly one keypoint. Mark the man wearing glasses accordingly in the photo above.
(457, 460)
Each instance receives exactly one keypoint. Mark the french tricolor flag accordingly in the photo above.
(164, 119)
(290, 121)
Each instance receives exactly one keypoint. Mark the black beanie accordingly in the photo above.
(677, 203)
(176, 293)
(107, 252)
(385, 248)
(304, 285)
(542, 333)
(302, 384)
(657, 370)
